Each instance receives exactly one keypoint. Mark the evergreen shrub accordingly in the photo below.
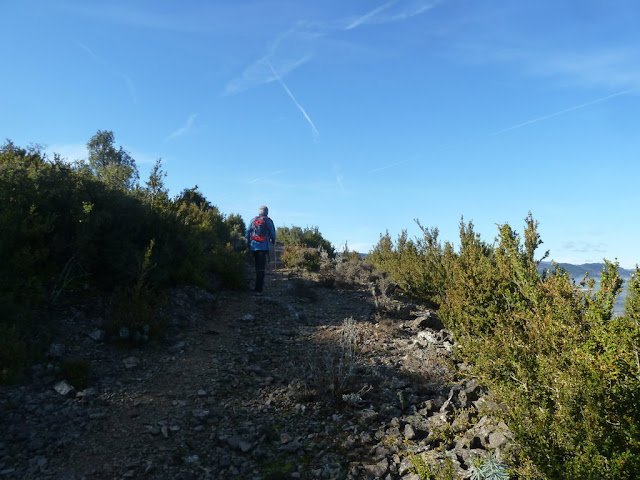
(72, 228)
(304, 258)
(418, 267)
(567, 370)
(309, 237)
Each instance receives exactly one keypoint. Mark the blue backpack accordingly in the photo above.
(259, 229)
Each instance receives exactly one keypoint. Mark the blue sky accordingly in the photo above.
(354, 116)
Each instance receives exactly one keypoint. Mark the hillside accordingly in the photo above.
(304, 382)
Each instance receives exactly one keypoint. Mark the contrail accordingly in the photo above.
(272, 174)
(513, 127)
(184, 129)
(562, 112)
(314, 130)
(359, 21)
(126, 78)
(385, 167)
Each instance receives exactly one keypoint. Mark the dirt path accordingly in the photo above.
(239, 394)
(301, 382)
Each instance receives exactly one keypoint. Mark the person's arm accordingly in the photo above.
(272, 231)
(248, 235)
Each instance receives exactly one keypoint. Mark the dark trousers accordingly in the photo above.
(260, 257)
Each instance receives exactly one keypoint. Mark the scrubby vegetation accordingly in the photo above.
(304, 248)
(568, 371)
(566, 368)
(89, 228)
(309, 237)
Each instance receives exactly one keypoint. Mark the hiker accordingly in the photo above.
(260, 233)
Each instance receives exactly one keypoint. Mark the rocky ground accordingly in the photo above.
(301, 382)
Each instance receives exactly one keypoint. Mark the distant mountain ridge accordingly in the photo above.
(578, 271)
(595, 271)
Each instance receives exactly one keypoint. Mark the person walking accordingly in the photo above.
(260, 233)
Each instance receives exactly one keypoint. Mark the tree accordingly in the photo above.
(191, 196)
(156, 191)
(114, 167)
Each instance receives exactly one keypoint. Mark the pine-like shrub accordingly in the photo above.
(418, 267)
(309, 237)
(68, 230)
(565, 368)
(300, 257)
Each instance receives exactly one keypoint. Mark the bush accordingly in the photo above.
(134, 311)
(418, 267)
(349, 270)
(566, 369)
(72, 228)
(309, 237)
(301, 258)
(229, 265)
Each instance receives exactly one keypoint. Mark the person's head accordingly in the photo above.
(263, 211)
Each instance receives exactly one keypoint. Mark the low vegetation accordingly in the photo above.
(568, 370)
(74, 231)
(309, 237)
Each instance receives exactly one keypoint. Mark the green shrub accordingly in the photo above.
(418, 267)
(554, 354)
(230, 265)
(431, 468)
(134, 317)
(301, 258)
(353, 272)
(564, 367)
(72, 228)
(134, 311)
(309, 237)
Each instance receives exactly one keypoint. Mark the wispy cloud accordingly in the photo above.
(262, 179)
(386, 167)
(92, 54)
(526, 123)
(392, 11)
(585, 247)
(367, 17)
(131, 88)
(184, 129)
(294, 47)
(563, 111)
(616, 67)
(259, 73)
(314, 130)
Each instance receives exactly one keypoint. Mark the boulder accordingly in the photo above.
(428, 320)
(65, 389)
